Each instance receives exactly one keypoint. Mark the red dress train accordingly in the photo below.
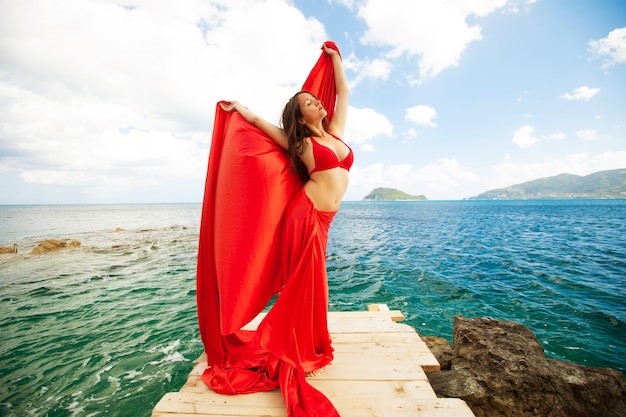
(260, 235)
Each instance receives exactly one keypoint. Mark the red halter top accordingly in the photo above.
(325, 158)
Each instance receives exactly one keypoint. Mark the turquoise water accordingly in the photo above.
(108, 328)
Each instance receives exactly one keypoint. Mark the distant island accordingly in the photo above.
(602, 184)
(391, 194)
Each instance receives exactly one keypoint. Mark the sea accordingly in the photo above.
(108, 328)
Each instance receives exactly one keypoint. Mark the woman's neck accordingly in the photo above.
(316, 130)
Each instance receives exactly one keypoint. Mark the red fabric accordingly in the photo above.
(321, 81)
(261, 235)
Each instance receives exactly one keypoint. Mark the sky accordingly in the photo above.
(113, 101)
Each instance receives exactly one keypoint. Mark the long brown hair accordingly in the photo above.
(296, 133)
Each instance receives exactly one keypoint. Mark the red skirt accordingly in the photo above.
(293, 337)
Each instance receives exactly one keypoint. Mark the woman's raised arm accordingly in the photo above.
(273, 131)
(338, 123)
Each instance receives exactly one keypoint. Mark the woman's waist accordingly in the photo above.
(333, 182)
(326, 195)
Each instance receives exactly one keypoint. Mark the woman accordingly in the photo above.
(292, 340)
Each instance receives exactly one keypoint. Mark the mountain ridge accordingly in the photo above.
(601, 184)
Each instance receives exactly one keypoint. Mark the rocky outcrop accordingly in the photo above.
(499, 368)
(51, 245)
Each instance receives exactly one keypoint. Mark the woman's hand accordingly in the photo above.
(330, 51)
(229, 106)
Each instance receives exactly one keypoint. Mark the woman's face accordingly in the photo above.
(311, 108)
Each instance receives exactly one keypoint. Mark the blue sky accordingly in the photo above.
(113, 101)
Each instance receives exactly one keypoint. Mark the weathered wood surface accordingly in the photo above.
(378, 371)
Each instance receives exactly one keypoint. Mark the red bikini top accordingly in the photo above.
(325, 158)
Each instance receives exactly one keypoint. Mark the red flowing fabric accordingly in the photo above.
(260, 235)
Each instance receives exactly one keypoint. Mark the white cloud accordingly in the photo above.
(435, 31)
(514, 6)
(365, 124)
(525, 136)
(612, 48)
(587, 134)
(422, 115)
(581, 93)
(93, 94)
(376, 69)
(410, 134)
(557, 136)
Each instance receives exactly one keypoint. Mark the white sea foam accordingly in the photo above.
(100, 372)
(131, 374)
(175, 357)
(75, 408)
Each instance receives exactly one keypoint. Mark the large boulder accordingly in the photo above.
(499, 368)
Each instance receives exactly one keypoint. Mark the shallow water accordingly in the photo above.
(110, 327)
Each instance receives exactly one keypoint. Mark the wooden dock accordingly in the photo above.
(378, 371)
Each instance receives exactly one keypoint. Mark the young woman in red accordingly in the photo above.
(299, 177)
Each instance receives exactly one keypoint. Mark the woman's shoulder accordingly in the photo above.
(336, 136)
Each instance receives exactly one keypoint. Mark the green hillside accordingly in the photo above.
(602, 184)
(387, 194)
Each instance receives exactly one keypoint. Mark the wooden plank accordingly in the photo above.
(383, 316)
(385, 367)
(394, 315)
(408, 338)
(367, 325)
(195, 384)
(379, 407)
(377, 307)
(259, 404)
(444, 407)
(417, 390)
(411, 346)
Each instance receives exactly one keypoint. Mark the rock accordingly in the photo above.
(5, 249)
(51, 245)
(499, 368)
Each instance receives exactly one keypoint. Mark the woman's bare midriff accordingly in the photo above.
(326, 188)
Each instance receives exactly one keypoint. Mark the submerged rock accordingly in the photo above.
(51, 245)
(499, 368)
